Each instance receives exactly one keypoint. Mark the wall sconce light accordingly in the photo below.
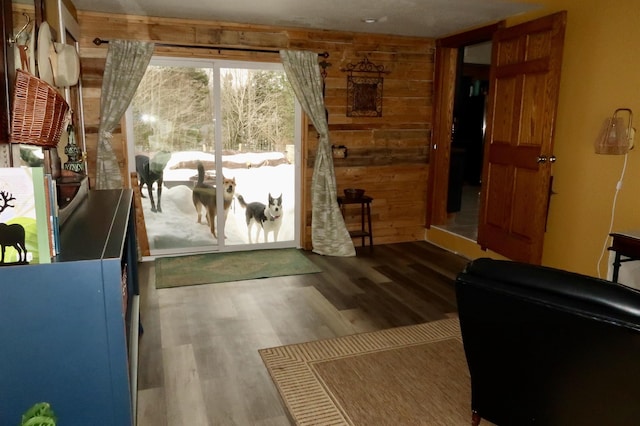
(615, 137)
(339, 151)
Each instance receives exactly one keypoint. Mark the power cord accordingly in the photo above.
(613, 213)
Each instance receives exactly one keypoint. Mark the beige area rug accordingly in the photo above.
(414, 375)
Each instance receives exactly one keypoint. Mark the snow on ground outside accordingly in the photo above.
(176, 226)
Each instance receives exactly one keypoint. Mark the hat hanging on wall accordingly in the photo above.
(44, 49)
(58, 63)
(65, 64)
(616, 136)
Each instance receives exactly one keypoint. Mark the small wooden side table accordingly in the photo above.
(625, 244)
(365, 210)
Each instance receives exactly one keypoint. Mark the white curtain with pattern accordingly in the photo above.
(329, 235)
(126, 64)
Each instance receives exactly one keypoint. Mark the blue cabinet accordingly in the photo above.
(69, 329)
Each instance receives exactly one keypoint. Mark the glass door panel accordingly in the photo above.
(258, 114)
(242, 131)
(172, 115)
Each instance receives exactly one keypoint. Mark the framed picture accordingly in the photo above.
(364, 96)
(364, 89)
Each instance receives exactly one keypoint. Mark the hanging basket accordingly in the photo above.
(39, 112)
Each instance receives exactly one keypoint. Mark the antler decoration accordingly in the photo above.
(5, 199)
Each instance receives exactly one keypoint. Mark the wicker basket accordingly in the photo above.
(39, 112)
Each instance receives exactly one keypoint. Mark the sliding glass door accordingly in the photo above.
(199, 125)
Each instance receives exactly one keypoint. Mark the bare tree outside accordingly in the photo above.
(173, 110)
(257, 110)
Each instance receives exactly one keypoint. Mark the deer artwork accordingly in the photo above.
(11, 235)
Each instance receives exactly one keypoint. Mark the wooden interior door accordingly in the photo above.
(524, 85)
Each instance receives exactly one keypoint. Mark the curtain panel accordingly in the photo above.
(126, 64)
(329, 234)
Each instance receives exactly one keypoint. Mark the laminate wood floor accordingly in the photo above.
(198, 356)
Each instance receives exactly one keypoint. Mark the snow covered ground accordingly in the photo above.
(176, 229)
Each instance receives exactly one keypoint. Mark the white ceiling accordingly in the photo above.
(423, 18)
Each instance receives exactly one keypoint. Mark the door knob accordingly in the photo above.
(552, 159)
(542, 159)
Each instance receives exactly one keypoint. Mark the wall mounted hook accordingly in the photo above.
(14, 39)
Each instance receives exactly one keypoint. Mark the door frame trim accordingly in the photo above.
(446, 59)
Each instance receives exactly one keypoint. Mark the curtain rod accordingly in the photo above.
(98, 41)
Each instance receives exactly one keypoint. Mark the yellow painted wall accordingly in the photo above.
(600, 72)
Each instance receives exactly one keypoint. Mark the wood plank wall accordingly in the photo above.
(388, 155)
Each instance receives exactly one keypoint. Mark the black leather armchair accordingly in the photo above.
(549, 347)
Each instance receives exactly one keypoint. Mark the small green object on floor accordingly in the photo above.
(212, 268)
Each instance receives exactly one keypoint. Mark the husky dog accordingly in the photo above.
(266, 217)
(204, 196)
(151, 171)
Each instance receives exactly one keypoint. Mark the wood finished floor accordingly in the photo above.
(198, 359)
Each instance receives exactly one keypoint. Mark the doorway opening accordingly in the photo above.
(467, 139)
(461, 80)
(215, 124)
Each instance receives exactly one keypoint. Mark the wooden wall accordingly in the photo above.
(388, 155)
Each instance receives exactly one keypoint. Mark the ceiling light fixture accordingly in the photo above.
(369, 20)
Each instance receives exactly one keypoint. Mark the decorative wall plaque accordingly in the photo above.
(364, 89)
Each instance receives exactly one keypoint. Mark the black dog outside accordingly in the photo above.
(150, 171)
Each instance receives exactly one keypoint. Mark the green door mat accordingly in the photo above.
(237, 266)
